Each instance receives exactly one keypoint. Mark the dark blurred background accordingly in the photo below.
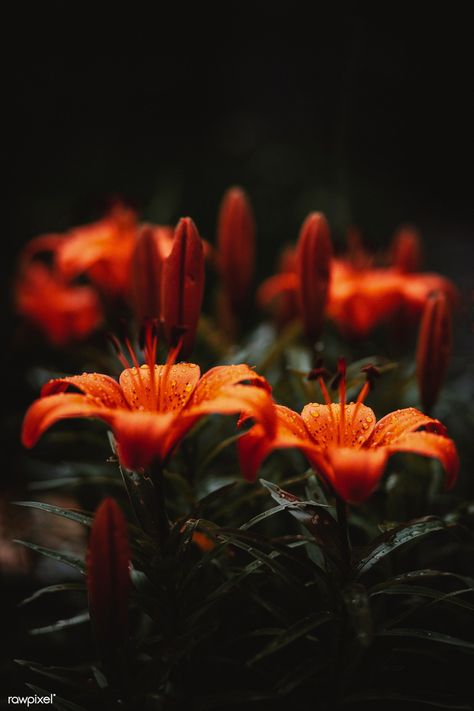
(367, 117)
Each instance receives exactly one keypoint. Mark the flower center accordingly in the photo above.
(339, 381)
(155, 390)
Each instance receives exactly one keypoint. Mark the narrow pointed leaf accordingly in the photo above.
(392, 540)
(61, 625)
(299, 629)
(61, 556)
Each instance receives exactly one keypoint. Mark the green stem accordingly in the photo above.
(341, 508)
(163, 523)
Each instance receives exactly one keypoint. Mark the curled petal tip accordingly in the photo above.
(406, 250)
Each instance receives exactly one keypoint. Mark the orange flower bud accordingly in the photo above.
(313, 260)
(434, 346)
(108, 576)
(183, 286)
(153, 246)
(236, 247)
(406, 250)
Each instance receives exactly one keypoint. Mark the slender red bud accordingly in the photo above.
(406, 250)
(236, 247)
(313, 258)
(153, 246)
(108, 575)
(183, 287)
(434, 346)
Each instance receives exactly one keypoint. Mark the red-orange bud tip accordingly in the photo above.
(183, 286)
(236, 246)
(313, 259)
(433, 349)
(146, 276)
(406, 252)
(108, 575)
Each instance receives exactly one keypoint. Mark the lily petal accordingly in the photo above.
(274, 286)
(434, 445)
(142, 436)
(256, 444)
(399, 423)
(354, 473)
(223, 376)
(100, 387)
(44, 412)
(323, 423)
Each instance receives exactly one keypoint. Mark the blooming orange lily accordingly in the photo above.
(62, 312)
(344, 442)
(102, 249)
(152, 407)
(361, 296)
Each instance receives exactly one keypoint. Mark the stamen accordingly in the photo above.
(371, 373)
(149, 349)
(136, 364)
(118, 350)
(341, 371)
(170, 361)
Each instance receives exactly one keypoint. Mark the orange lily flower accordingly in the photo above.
(361, 297)
(102, 249)
(345, 444)
(152, 407)
(62, 312)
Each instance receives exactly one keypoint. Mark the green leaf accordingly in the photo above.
(299, 629)
(77, 516)
(68, 587)
(61, 556)
(61, 625)
(394, 696)
(391, 540)
(423, 574)
(315, 517)
(240, 541)
(65, 675)
(433, 594)
(262, 516)
(429, 636)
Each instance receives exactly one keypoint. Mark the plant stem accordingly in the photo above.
(341, 508)
(163, 524)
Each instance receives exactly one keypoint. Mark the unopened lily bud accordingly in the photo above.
(153, 246)
(183, 287)
(434, 346)
(108, 574)
(406, 250)
(236, 247)
(313, 260)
